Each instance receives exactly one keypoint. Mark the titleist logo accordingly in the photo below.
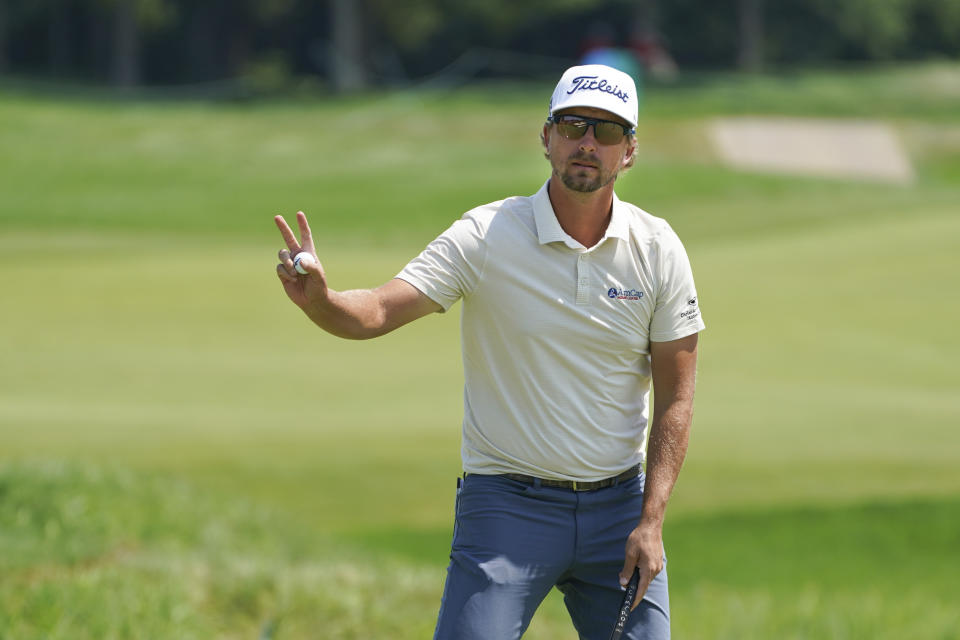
(591, 83)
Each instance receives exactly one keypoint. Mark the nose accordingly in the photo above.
(589, 142)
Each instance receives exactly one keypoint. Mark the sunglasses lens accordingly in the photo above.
(572, 129)
(608, 132)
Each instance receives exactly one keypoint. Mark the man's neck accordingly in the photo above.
(583, 216)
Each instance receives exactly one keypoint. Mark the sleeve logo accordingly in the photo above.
(693, 313)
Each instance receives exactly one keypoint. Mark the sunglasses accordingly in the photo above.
(605, 132)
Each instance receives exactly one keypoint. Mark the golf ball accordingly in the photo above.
(300, 260)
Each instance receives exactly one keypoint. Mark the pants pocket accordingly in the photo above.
(456, 508)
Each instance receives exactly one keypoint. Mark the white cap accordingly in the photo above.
(599, 86)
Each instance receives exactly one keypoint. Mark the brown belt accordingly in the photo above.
(577, 485)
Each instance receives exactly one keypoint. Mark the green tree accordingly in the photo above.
(879, 27)
(938, 26)
(3, 36)
(414, 24)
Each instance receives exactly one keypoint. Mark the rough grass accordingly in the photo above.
(97, 551)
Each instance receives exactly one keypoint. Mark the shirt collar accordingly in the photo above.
(549, 229)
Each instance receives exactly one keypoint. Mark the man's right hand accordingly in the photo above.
(304, 290)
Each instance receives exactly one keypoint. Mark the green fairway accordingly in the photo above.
(184, 455)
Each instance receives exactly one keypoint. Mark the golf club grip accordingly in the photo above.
(625, 605)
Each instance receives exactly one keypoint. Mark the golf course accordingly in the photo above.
(184, 455)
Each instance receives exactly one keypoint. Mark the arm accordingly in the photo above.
(356, 314)
(674, 367)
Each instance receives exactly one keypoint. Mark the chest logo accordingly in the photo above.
(624, 294)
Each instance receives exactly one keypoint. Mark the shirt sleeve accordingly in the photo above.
(677, 312)
(450, 266)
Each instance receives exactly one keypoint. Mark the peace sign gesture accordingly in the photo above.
(303, 290)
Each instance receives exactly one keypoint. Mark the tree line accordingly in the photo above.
(354, 44)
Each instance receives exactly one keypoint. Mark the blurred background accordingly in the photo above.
(342, 46)
(183, 455)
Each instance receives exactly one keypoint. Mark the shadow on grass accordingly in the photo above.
(873, 543)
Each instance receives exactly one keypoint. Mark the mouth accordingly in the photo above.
(584, 162)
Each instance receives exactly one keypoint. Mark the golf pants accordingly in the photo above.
(513, 542)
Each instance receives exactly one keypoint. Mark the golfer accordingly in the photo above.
(573, 303)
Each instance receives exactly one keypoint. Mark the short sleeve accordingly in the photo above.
(450, 266)
(677, 312)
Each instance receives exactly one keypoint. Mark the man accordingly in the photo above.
(573, 301)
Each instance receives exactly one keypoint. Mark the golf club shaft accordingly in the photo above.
(626, 604)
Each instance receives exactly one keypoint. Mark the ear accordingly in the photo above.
(545, 136)
(631, 149)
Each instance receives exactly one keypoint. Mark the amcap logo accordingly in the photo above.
(624, 294)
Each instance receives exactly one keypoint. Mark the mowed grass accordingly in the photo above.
(184, 455)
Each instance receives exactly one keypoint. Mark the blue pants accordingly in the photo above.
(513, 542)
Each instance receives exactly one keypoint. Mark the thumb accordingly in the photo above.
(309, 263)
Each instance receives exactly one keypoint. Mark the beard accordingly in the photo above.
(583, 179)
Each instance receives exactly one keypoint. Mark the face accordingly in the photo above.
(585, 165)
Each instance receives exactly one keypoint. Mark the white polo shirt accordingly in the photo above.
(556, 336)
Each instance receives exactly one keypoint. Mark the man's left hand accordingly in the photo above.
(644, 551)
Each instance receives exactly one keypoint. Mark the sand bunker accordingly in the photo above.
(836, 148)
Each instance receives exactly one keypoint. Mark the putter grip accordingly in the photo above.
(625, 605)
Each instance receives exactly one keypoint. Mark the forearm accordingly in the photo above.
(674, 366)
(367, 313)
(356, 314)
(666, 450)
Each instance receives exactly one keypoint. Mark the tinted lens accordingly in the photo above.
(608, 132)
(572, 129)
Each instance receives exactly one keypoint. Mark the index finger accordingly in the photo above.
(306, 237)
(287, 233)
(643, 579)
